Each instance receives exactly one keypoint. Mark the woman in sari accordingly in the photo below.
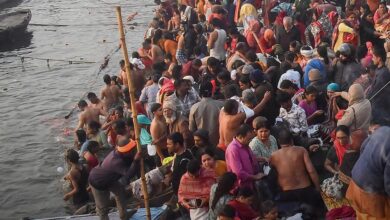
(335, 155)
(345, 31)
(320, 27)
(381, 14)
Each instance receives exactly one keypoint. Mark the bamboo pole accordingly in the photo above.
(237, 11)
(133, 108)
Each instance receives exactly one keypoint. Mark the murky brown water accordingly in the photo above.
(34, 98)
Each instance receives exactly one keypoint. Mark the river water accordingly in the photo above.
(35, 97)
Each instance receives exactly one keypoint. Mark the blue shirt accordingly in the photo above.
(372, 170)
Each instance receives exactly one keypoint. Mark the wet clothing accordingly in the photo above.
(81, 197)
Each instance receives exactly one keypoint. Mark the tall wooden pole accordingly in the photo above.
(133, 108)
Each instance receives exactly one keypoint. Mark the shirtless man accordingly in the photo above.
(123, 75)
(110, 94)
(297, 177)
(158, 130)
(88, 114)
(155, 54)
(95, 101)
(230, 119)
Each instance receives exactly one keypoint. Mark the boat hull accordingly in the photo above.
(13, 25)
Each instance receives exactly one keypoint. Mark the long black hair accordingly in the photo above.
(225, 184)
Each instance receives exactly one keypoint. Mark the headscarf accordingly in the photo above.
(334, 87)
(308, 53)
(269, 34)
(356, 94)
(340, 150)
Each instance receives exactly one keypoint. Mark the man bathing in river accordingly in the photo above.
(110, 94)
(95, 101)
(88, 114)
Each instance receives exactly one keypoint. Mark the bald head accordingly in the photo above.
(287, 23)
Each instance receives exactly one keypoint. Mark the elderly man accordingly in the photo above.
(288, 33)
(183, 97)
(177, 123)
(240, 158)
(204, 114)
(297, 177)
(230, 118)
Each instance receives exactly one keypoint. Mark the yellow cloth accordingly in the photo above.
(220, 168)
(247, 10)
(342, 28)
(167, 160)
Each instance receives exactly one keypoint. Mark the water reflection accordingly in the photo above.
(9, 3)
(18, 42)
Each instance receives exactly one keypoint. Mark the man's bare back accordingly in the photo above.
(99, 105)
(157, 54)
(228, 125)
(110, 96)
(123, 77)
(159, 133)
(294, 168)
(89, 114)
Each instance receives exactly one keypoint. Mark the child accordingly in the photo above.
(242, 204)
(269, 210)
(309, 104)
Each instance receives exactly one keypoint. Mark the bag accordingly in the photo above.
(332, 187)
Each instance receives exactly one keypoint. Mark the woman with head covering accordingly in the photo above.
(358, 114)
(253, 33)
(320, 27)
(267, 42)
(345, 32)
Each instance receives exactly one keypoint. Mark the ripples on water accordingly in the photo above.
(35, 98)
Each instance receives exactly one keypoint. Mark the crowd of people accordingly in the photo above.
(246, 110)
